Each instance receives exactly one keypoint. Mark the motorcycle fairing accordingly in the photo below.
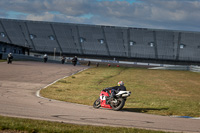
(103, 97)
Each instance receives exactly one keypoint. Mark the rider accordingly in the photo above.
(9, 58)
(116, 89)
(63, 59)
(74, 61)
(45, 58)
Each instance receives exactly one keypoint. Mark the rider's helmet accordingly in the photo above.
(120, 83)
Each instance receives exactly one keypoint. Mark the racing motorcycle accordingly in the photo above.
(9, 60)
(116, 103)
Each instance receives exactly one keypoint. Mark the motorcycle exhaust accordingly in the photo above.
(125, 95)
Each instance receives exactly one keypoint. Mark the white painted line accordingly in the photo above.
(197, 118)
(186, 117)
(38, 92)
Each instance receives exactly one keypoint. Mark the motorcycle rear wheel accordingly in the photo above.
(118, 105)
(97, 104)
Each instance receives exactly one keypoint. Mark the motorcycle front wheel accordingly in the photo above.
(117, 104)
(97, 104)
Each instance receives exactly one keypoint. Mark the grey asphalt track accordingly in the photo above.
(20, 81)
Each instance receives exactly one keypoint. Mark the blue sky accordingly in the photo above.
(156, 14)
(130, 1)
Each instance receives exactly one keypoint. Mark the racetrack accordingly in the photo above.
(20, 81)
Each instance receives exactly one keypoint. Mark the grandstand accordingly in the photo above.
(125, 43)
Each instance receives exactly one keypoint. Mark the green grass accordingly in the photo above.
(161, 92)
(2, 60)
(8, 124)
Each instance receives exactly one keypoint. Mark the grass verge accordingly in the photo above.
(2, 60)
(162, 92)
(12, 125)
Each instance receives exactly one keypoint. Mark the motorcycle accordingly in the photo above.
(116, 103)
(9, 60)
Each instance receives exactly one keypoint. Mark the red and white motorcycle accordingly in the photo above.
(116, 103)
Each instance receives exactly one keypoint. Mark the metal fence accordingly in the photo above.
(179, 67)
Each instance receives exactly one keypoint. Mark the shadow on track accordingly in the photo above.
(143, 110)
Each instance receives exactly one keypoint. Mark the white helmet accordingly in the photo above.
(120, 83)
